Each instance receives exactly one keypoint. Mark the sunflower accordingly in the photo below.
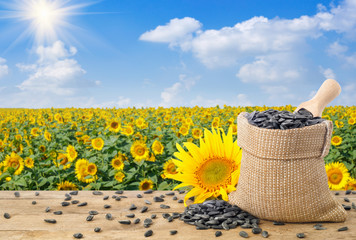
(339, 124)
(92, 169)
(169, 168)
(14, 161)
(18, 137)
(139, 150)
(119, 176)
(66, 186)
(197, 133)
(81, 170)
(215, 124)
(184, 130)
(211, 169)
(351, 121)
(336, 140)
(338, 176)
(146, 184)
(71, 153)
(47, 136)
(157, 147)
(97, 143)
(351, 184)
(35, 132)
(128, 131)
(117, 163)
(140, 123)
(151, 158)
(42, 148)
(62, 159)
(29, 162)
(114, 126)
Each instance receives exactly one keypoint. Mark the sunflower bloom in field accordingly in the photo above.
(128, 130)
(71, 153)
(139, 151)
(62, 159)
(66, 186)
(114, 126)
(351, 121)
(351, 184)
(29, 162)
(81, 170)
(35, 132)
(338, 175)
(140, 123)
(146, 184)
(47, 136)
(118, 161)
(197, 133)
(336, 140)
(119, 176)
(97, 143)
(14, 161)
(184, 130)
(157, 147)
(169, 168)
(211, 169)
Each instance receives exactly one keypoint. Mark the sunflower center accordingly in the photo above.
(336, 140)
(114, 124)
(140, 150)
(117, 163)
(335, 176)
(14, 164)
(214, 171)
(146, 186)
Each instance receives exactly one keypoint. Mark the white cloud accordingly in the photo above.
(327, 73)
(174, 32)
(340, 51)
(4, 69)
(203, 102)
(347, 95)
(122, 102)
(55, 72)
(242, 100)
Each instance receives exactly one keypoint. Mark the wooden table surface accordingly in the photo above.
(27, 220)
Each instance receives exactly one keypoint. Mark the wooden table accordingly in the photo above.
(27, 220)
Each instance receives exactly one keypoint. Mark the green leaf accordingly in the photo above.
(163, 186)
(21, 182)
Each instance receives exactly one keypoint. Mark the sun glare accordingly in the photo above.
(47, 19)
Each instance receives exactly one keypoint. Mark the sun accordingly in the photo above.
(47, 20)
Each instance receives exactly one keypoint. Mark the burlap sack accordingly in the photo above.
(283, 175)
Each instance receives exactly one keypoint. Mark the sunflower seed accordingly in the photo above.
(97, 193)
(74, 201)
(148, 202)
(337, 193)
(180, 201)
(64, 204)
(173, 232)
(107, 206)
(164, 206)
(82, 204)
(243, 234)
(346, 199)
(170, 219)
(166, 215)
(139, 196)
(148, 233)
(144, 209)
(149, 191)
(58, 213)
(343, 229)
(106, 197)
(348, 192)
(158, 199)
(300, 235)
(256, 230)
(353, 192)
(90, 217)
(97, 229)
(137, 220)
(278, 223)
(181, 191)
(73, 193)
(77, 235)
(162, 196)
(17, 194)
(113, 196)
(34, 202)
(131, 215)
(169, 194)
(68, 198)
(123, 196)
(50, 220)
(127, 222)
(7, 216)
(265, 234)
(108, 216)
(316, 227)
(48, 209)
(175, 198)
(37, 194)
(119, 192)
(347, 208)
(118, 198)
(147, 221)
(132, 207)
(353, 205)
(153, 216)
(218, 233)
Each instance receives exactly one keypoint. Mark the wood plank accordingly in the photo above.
(27, 220)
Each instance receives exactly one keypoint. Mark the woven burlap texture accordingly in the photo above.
(283, 175)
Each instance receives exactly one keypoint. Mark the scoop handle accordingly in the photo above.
(327, 92)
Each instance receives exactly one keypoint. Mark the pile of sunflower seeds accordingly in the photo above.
(219, 214)
(274, 119)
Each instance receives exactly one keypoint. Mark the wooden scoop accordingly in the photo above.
(329, 90)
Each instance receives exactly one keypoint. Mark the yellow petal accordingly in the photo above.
(224, 194)
(201, 198)
(192, 193)
(184, 184)
(195, 151)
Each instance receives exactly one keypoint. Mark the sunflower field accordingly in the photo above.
(132, 148)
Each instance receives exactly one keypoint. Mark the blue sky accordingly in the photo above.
(116, 53)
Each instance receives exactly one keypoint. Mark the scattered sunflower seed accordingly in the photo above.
(108, 216)
(73, 193)
(148, 233)
(181, 191)
(74, 201)
(97, 193)
(347, 208)
(144, 209)
(119, 192)
(343, 229)
(106, 198)
(127, 222)
(90, 217)
(162, 196)
(48, 209)
(180, 201)
(137, 220)
(77, 235)
(139, 196)
(317, 227)
(175, 198)
(337, 193)
(173, 232)
(68, 198)
(37, 193)
(58, 213)
(7, 216)
(153, 216)
(132, 207)
(17, 194)
(82, 204)
(113, 196)
(123, 196)
(163, 206)
(243, 234)
(97, 229)
(158, 199)
(148, 202)
(34, 202)
(265, 234)
(348, 192)
(256, 230)
(353, 205)
(131, 215)
(64, 204)
(118, 198)
(93, 212)
(149, 191)
(147, 221)
(170, 194)
(346, 199)
(50, 220)
(218, 233)
(300, 235)
(107, 206)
